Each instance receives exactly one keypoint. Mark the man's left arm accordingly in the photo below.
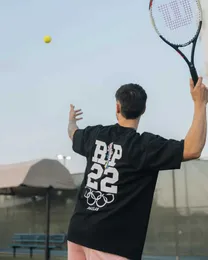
(74, 116)
(83, 139)
(72, 127)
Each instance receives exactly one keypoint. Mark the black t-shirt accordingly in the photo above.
(114, 200)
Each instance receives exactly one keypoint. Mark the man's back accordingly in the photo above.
(115, 197)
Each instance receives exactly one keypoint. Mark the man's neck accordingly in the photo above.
(130, 123)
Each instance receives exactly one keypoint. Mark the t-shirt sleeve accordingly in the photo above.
(163, 154)
(83, 139)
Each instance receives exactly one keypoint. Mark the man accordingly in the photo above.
(114, 201)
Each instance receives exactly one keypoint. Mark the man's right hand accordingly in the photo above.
(199, 92)
(196, 136)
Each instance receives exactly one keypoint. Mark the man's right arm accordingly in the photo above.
(196, 136)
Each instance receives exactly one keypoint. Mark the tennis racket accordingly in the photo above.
(178, 23)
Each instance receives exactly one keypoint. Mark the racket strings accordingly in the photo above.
(176, 20)
(179, 21)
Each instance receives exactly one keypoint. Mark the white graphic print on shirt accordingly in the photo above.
(101, 185)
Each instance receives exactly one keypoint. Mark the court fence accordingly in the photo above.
(175, 228)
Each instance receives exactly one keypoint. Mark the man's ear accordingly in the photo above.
(118, 107)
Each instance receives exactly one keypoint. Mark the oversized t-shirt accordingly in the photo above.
(114, 200)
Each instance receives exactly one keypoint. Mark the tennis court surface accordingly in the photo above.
(61, 255)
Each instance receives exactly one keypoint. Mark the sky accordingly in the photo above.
(96, 47)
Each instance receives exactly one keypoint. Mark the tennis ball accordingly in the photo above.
(47, 39)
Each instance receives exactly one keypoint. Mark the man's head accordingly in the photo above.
(131, 101)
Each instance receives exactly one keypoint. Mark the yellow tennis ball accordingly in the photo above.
(47, 39)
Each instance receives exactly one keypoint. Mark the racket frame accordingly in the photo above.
(193, 41)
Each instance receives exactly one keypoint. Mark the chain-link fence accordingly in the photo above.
(178, 223)
(179, 218)
(29, 216)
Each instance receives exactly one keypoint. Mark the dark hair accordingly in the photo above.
(132, 98)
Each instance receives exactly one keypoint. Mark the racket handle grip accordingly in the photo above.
(194, 75)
